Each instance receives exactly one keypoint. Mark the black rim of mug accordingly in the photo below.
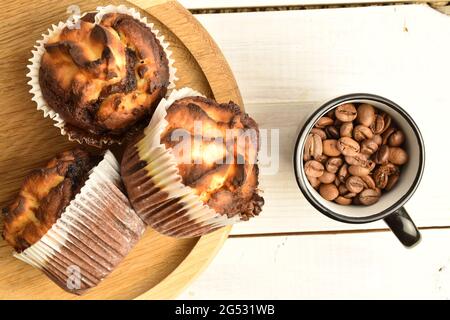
(308, 126)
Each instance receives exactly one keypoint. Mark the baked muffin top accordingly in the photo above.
(105, 78)
(216, 147)
(44, 195)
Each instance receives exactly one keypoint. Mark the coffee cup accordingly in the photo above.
(390, 206)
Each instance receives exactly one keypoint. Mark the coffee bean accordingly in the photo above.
(381, 177)
(392, 181)
(337, 182)
(346, 129)
(324, 122)
(330, 148)
(387, 134)
(378, 125)
(330, 114)
(333, 164)
(343, 173)
(332, 132)
(382, 155)
(397, 156)
(348, 147)
(322, 159)
(321, 133)
(378, 139)
(359, 159)
(387, 121)
(354, 184)
(315, 183)
(361, 133)
(358, 171)
(327, 177)
(366, 114)
(343, 201)
(369, 147)
(346, 112)
(368, 197)
(396, 139)
(342, 189)
(328, 191)
(314, 168)
(369, 182)
(350, 195)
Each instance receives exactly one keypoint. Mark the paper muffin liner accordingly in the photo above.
(94, 233)
(155, 188)
(39, 50)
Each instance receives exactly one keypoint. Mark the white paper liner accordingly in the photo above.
(193, 218)
(94, 233)
(39, 50)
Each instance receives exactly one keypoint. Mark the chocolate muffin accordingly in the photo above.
(72, 221)
(194, 168)
(104, 79)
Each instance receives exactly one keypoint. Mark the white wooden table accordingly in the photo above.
(289, 62)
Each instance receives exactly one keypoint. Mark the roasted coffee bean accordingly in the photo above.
(378, 125)
(358, 171)
(397, 156)
(346, 129)
(337, 182)
(322, 159)
(354, 184)
(343, 201)
(313, 147)
(350, 195)
(387, 121)
(346, 112)
(392, 181)
(330, 148)
(324, 122)
(368, 197)
(342, 189)
(328, 191)
(396, 139)
(381, 178)
(369, 147)
(333, 164)
(359, 159)
(369, 182)
(387, 134)
(327, 177)
(314, 168)
(315, 183)
(343, 173)
(332, 132)
(337, 123)
(348, 147)
(366, 114)
(321, 133)
(330, 114)
(361, 133)
(382, 155)
(378, 139)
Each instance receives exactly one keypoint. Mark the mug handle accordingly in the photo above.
(403, 227)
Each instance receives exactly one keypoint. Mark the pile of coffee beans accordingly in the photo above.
(353, 154)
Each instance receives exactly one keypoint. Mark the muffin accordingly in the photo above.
(194, 168)
(102, 77)
(72, 221)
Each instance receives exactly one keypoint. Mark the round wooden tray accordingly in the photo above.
(158, 267)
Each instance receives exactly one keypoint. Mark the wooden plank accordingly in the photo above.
(285, 70)
(344, 266)
(220, 4)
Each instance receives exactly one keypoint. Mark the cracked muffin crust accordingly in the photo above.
(222, 167)
(104, 79)
(44, 195)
